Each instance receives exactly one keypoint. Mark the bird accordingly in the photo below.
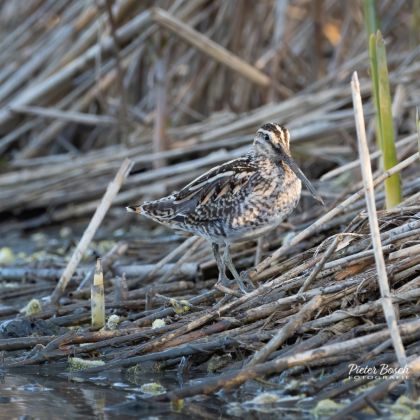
(236, 201)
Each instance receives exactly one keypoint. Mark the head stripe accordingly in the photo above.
(278, 134)
(273, 128)
(262, 130)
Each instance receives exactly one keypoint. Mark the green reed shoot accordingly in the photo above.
(385, 135)
(371, 20)
(384, 121)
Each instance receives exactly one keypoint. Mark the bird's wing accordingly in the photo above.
(227, 183)
(222, 182)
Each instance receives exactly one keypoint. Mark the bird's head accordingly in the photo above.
(272, 140)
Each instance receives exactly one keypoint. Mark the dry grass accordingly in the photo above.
(177, 89)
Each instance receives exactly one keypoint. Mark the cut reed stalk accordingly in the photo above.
(97, 297)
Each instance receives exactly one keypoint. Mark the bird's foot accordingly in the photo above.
(241, 286)
(225, 286)
(227, 290)
(246, 278)
(244, 287)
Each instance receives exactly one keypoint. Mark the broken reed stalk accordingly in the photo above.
(97, 297)
(366, 169)
(90, 231)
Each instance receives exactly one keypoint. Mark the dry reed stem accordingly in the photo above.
(160, 137)
(318, 267)
(182, 261)
(188, 271)
(406, 252)
(94, 223)
(69, 116)
(370, 308)
(167, 258)
(209, 47)
(366, 169)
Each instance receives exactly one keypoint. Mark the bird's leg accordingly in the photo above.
(258, 251)
(229, 263)
(220, 264)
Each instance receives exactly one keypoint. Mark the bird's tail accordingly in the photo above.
(134, 209)
(160, 210)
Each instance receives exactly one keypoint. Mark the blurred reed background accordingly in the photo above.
(179, 86)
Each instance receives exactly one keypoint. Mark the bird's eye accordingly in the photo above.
(266, 137)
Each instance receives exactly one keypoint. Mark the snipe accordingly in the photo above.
(238, 200)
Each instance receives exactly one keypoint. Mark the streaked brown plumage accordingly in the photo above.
(238, 200)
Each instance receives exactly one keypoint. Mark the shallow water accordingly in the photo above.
(47, 394)
(41, 396)
(58, 395)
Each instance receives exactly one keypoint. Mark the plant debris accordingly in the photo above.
(179, 88)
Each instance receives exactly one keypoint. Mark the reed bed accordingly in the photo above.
(178, 88)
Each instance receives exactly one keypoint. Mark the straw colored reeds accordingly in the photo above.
(178, 88)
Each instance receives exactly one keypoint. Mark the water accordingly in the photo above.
(43, 393)
(50, 396)
(56, 395)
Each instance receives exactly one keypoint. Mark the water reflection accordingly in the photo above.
(53, 396)
(41, 392)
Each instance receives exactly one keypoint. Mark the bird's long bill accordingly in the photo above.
(295, 168)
